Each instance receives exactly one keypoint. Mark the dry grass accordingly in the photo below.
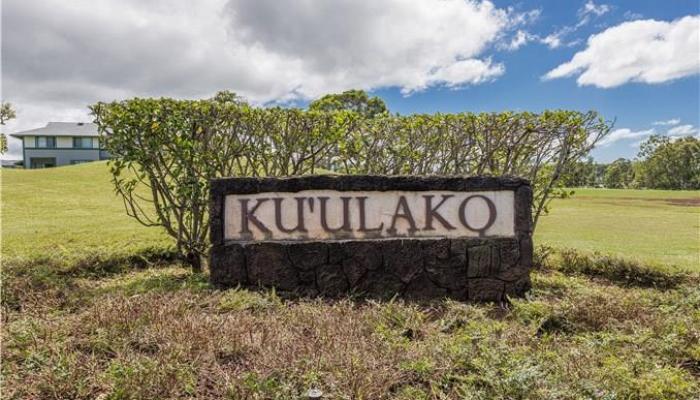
(162, 332)
(621, 270)
(89, 311)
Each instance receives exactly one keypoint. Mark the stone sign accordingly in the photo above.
(332, 214)
(421, 237)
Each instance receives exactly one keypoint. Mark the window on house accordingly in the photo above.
(82, 142)
(46, 141)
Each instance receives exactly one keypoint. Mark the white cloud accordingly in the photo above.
(591, 8)
(520, 39)
(60, 56)
(682, 130)
(624, 134)
(645, 51)
(630, 15)
(264, 49)
(518, 20)
(556, 39)
(523, 18)
(672, 121)
(368, 44)
(460, 73)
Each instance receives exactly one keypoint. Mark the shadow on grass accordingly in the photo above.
(96, 263)
(65, 280)
(155, 281)
(53, 280)
(618, 270)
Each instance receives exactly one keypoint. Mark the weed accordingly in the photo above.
(620, 270)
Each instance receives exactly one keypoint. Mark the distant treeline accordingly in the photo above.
(662, 163)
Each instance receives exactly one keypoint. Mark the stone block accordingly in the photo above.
(422, 288)
(446, 263)
(268, 265)
(402, 258)
(379, 284)
(509, 253)
(308, 256)
(231, 264)
(482, 261)
(356, 258)
(485, 289)
(331, 280)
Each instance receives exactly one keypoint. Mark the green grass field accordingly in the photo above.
(74, 207)
(94, 306)
(655, 226)
(71, 208)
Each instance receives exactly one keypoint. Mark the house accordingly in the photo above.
(60, 143)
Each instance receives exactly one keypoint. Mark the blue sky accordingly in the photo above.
(635, 62)
(635, 106)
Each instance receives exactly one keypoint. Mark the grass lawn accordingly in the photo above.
(75, 208)
(656, 226)
(67, 209)
(94, 306)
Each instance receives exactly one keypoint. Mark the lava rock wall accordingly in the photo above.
(479, 269)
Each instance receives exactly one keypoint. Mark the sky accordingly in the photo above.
(637, 62)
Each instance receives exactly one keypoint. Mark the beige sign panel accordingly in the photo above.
(331, 214)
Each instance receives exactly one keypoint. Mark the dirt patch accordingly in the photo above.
(692, 202)
(686, 202)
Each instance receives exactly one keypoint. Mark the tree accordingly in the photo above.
(584, 174)
(669, 164)
(539, 147)
(227, 96)
(619, 174)
(6, 113)
(351, 100)
(166, 151)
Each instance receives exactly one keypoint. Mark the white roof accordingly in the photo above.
(61, 129)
